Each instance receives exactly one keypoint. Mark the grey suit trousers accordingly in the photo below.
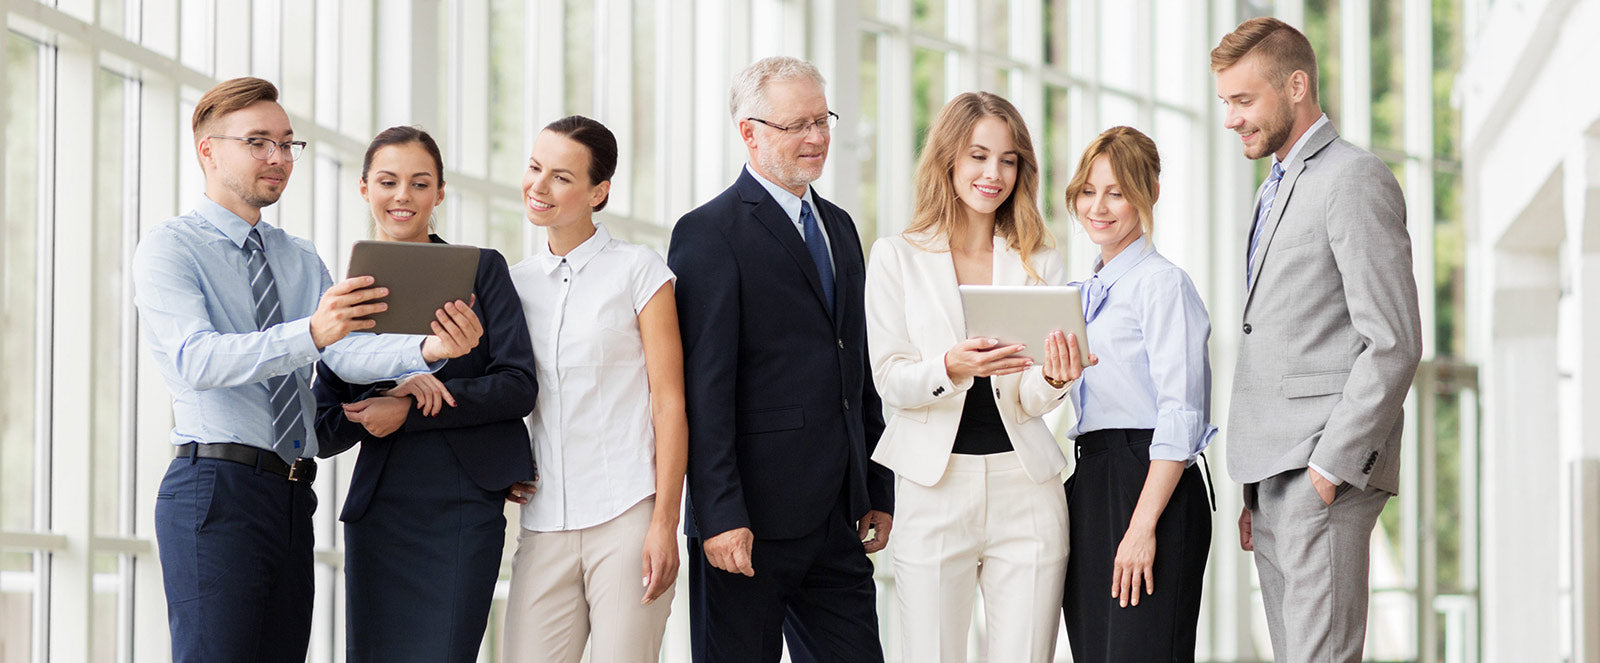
(1313, 562)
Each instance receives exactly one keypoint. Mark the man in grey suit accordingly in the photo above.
(1331, 342)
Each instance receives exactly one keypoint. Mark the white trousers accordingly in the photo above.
(986, 526)
(569, 586)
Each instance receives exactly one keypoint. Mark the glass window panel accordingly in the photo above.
(1115, 110)
(927, 92)
(1057, 37)
(1449, 265)
(299, 47)
(579, 31)
(18, 261)
(1057, 159)
(1388, 74)
(1180, 221)
(107, 302)
(1119, 40)
(994, 26)
(159, 26)
(1322, 30)
(107, 588)
(928, 16)
(1175, 52)
(505, 232)
(1391, 619)
(113, 15)
(17, 587)
(868, 8)
(507, 81)
(868, 126)
(196, 36)
(642, 153)
(997, 81)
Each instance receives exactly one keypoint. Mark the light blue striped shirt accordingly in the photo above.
(1150, 337)
(192, 287)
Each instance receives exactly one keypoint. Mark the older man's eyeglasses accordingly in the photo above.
(263, 149)
(823, 125)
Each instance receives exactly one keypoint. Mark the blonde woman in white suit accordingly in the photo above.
(978, 500)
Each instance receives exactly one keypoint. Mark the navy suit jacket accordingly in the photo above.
(783, 415)
(493, 386)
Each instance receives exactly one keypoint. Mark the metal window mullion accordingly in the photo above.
(44, 345)
(128, 393)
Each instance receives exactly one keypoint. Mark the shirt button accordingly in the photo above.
(1246, 327)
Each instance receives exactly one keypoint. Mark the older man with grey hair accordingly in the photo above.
(784, 501)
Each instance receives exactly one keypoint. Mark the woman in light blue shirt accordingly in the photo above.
(1138, 509)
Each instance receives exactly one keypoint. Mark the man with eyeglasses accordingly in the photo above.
(784, 501)
(236, 312)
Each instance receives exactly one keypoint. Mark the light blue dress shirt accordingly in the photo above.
(192, 288)
(1150, 335)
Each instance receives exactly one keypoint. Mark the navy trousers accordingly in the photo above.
(817, 587)
(422, 560)
(235, 545)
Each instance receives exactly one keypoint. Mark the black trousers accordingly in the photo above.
(816, 589)
(1101, 496)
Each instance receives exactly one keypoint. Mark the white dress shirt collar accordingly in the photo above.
(786, 198)
(1295, 151)
(578, 256)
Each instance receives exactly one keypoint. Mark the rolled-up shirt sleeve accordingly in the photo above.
(1177, 328)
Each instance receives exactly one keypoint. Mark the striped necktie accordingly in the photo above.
(288, 425)
(1267, 196)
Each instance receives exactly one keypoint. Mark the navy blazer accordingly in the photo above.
(783, 415)
(493, 386)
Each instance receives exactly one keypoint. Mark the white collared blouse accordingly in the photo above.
(593, 436)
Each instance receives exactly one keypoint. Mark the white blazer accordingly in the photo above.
(914, 316)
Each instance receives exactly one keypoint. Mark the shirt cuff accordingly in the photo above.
(1326, 474)
(298, 335)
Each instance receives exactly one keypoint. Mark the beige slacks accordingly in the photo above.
(986, 526)
(569, 586)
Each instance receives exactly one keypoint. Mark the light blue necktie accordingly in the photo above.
(1267, 196)
(288, 425)
(818, 247)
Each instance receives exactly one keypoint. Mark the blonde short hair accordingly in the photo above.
(1135, 164)
(227, 97)
(1283, 50)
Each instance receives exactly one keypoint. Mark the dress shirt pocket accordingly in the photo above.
(618, 335)
(770, 420)
(1305, 385)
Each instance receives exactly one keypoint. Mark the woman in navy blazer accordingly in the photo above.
(424, 518)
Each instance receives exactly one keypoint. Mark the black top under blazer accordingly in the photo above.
(782, 412)
(493, 386)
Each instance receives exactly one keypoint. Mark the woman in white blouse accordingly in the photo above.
(1140, 516)
(978, 494)
(598, 552)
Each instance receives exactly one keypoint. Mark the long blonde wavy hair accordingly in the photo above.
(938, 209)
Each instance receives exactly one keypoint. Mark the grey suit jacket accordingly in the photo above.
(1331, 333)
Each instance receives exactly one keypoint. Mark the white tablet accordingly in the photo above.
(1024, 314)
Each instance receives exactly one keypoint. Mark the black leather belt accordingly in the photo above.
(304, 470)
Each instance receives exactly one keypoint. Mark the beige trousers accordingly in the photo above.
(569, 586)
(986, 526)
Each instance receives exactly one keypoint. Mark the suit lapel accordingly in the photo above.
(772, 217)
(1280, 202)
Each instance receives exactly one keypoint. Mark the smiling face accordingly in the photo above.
(1109, 218)
(1258, 111)
(986, 171)
(556, 190)
(402, 189)
(792, 161)
(234, 178)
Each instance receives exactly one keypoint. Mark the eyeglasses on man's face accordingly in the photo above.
(823, 125)
(263, 149)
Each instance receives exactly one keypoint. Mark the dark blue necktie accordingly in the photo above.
(818, 247)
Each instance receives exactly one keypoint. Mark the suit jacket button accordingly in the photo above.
(841, 343)
(846, 404)
(1246, 327)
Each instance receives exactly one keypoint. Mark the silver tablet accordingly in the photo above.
(1024, 314)
(421, 278)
